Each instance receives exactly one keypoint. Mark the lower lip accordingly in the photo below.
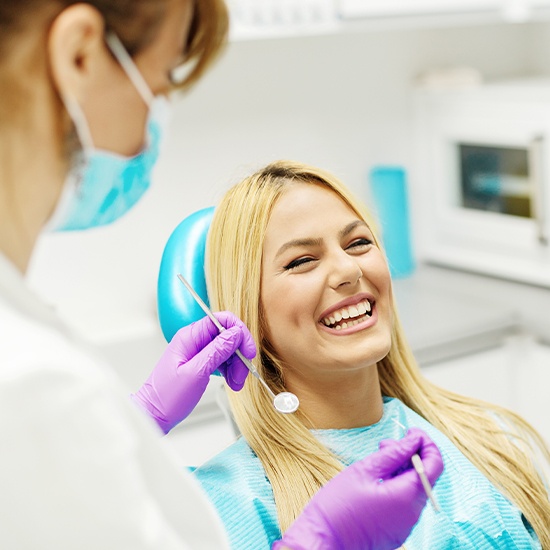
(367, 323)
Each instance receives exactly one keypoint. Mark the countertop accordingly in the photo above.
(446, 312)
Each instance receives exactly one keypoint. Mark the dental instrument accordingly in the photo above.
(284, 402)
(419, 467)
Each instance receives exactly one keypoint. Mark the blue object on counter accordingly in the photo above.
(389, 190)
(183, 253)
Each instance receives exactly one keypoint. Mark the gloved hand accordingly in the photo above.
(372, 504)
(180, 377)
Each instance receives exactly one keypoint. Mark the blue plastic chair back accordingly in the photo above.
(183, 253)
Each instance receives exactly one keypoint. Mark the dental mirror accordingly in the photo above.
(284, 402)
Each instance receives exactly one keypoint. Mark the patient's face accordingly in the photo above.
(326, 288)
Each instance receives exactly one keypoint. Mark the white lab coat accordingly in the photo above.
(80, 466)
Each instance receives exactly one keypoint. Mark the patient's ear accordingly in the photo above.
(77, 51)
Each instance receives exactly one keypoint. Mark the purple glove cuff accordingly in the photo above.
(152, 411)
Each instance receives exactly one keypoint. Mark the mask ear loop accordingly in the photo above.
(72, 184)
(129, 67)
(79, 121)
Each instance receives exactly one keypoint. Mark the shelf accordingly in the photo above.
(353, 9)
(265, 19)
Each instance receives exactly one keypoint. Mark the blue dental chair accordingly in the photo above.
(184, 253)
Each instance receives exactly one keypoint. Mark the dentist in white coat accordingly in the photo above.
(82, 465)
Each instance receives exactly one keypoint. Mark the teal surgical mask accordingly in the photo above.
(101, 185)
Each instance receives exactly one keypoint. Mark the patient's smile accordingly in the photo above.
(349, 316)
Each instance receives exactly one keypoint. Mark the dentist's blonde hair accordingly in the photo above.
(497, 441)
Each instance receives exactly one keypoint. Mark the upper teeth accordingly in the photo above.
(349, 312)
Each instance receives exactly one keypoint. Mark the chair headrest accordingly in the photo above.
(183, 253)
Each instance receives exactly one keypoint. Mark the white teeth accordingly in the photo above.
(350, 313)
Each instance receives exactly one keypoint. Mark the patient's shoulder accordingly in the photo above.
(232, 465)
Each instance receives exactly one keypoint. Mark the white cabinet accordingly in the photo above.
(481, 185)
(532, 381)
(486, 375)
(515, 375)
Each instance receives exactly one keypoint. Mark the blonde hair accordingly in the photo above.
(497, 441)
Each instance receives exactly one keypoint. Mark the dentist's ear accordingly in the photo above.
(77, 50)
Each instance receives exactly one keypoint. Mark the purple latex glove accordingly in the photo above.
(180, 378)
(357, 511)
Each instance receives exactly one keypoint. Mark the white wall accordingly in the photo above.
(339, 101)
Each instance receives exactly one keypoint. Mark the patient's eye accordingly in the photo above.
(298, 262)
(359, 245)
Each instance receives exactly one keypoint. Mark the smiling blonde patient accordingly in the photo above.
(294, 255)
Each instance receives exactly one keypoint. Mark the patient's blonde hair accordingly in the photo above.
(497, 441)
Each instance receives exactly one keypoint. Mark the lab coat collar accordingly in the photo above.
(15, 292)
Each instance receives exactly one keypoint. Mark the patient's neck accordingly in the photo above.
(350, 401)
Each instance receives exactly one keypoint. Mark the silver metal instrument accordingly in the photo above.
(419, 467)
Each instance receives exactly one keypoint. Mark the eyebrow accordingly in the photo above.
(316, 242)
